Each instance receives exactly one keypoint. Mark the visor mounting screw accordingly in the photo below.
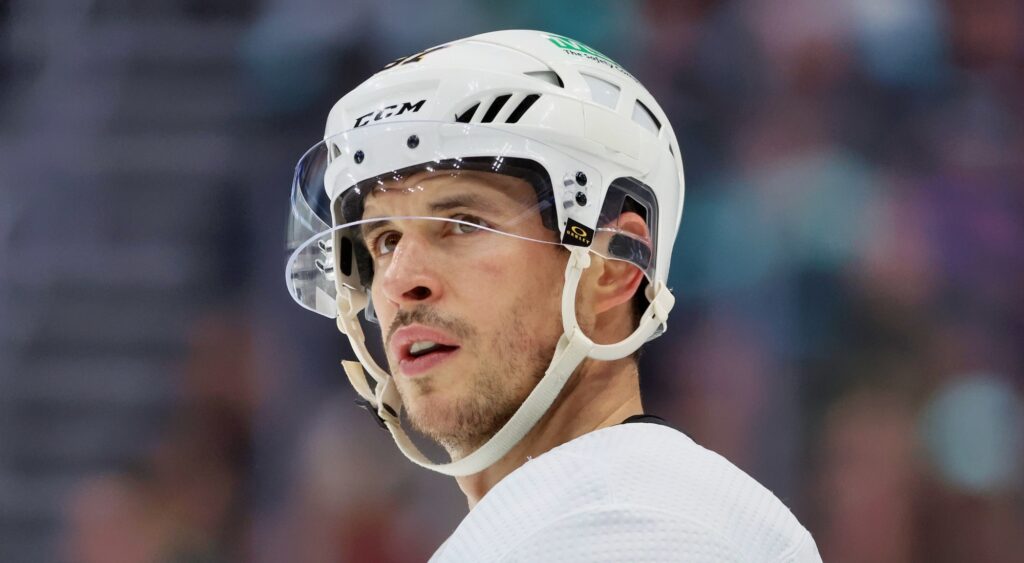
(581, 198)
(359, 157)
(581, 179)
(413, 141)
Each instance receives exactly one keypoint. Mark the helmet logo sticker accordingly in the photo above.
(577, 234)
(413, 58)
(577, 49)
(389, 111)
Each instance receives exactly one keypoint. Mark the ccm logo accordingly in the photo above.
(389, 111)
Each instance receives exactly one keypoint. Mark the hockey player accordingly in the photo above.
(490, 222)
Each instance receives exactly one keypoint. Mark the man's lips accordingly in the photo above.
(412, 365)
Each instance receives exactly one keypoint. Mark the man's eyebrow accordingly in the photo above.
(472, 201)
(367, 229)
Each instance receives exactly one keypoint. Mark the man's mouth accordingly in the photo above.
(420, 348)
(423, 348)
(424, 355)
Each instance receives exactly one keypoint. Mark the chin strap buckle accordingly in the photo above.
(363, 403)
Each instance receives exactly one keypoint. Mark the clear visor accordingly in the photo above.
(388, 199)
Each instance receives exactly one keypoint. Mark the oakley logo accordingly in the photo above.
(389, 111)
(577, 234)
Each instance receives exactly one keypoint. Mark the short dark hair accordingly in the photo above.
(640, 302)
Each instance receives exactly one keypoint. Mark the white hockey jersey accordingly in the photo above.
(633, 492)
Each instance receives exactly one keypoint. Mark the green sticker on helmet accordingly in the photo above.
(575, 48)
(563, 42)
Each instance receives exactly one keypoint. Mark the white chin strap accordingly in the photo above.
(573, 347)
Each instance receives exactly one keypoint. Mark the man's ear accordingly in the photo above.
(618, 279)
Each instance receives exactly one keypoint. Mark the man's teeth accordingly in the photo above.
(421, 347)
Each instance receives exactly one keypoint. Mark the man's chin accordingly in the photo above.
(433, 416)
(457, 430)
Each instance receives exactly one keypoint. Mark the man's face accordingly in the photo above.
(489, 301)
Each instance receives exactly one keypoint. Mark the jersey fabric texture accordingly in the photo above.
(632, 492)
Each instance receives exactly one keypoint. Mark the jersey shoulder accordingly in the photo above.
(628, 485)
(659, 468)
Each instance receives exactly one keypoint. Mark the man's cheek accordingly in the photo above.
(492, 271)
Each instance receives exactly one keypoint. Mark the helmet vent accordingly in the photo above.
(468, 114)
(645, 118)
(602, 91)
(549, 76)
(492, 111)
(522, 107)
(506, 108)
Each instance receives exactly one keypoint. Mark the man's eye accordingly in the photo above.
(464, 229)
(386, 243)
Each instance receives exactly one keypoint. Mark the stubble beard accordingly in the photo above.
(508, 367)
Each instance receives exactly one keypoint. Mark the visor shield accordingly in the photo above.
(454, 216)
(452, 191)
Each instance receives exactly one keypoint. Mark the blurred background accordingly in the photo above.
(850, 319)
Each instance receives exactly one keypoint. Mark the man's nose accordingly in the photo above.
(411, 276)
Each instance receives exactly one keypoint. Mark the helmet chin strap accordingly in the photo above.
(573, 347)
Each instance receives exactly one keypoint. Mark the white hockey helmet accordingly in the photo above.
(540, 107)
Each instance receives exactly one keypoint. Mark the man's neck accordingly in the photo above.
(598, 395)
